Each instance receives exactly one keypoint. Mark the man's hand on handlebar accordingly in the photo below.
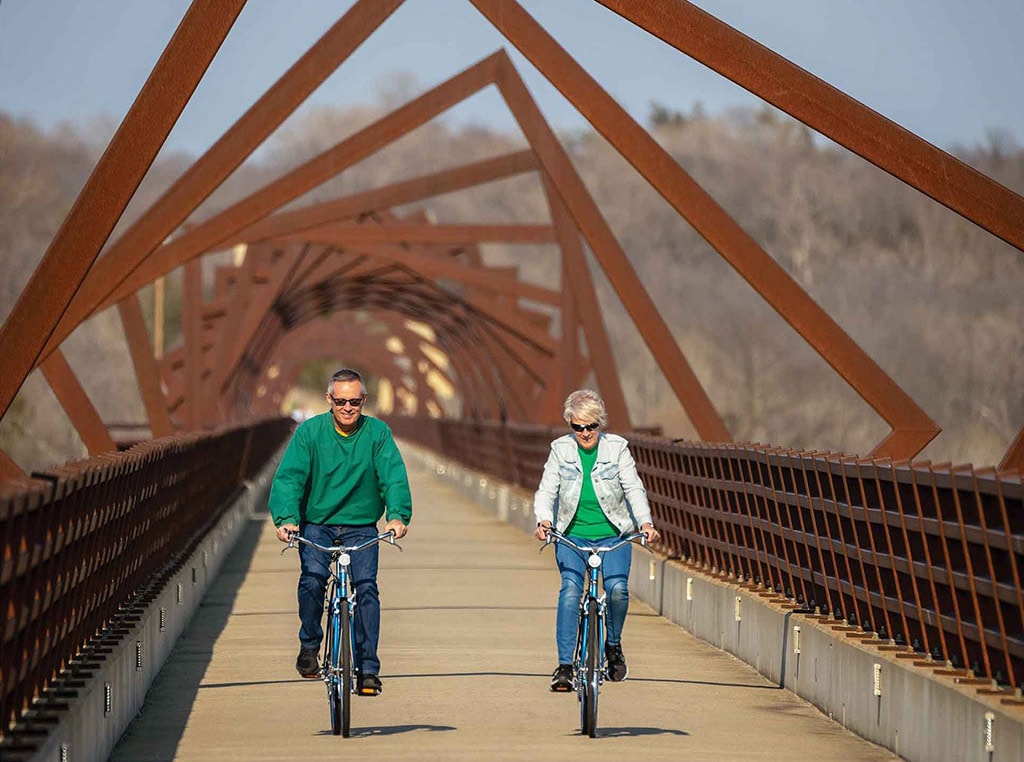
(541, 532)
(285, 532)
(398, 527)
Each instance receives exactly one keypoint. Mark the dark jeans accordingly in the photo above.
(363, 579)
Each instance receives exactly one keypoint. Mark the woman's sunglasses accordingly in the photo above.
(584, 426)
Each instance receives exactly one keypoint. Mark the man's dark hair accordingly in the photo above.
(346, 374)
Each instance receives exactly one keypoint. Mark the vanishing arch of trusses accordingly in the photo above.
(354, 254)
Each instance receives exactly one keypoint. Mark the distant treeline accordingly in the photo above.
(934, 300)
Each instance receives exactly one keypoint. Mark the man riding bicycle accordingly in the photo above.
(340, 474)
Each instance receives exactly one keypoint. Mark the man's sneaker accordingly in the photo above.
(617, 669)
(561, 679)
(307, 663)
(368, 685)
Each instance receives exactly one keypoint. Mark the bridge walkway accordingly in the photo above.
(467, 649)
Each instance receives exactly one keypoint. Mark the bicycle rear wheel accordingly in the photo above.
(592, 674)
(345, 678)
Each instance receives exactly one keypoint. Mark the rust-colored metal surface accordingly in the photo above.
(308, 176)
(912, 428)
(76, 404)
(146, 372)
(922, 561)
(203, 177)
(1014, 457)
(348, 235)
(10, 472)
(584, 309)
(831, 112)
(91, 543)
(609, 254)
(398, 194)
(108, 190)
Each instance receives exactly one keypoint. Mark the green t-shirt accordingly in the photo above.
(590, 521)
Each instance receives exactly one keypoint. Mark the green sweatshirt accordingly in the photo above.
(327, 478)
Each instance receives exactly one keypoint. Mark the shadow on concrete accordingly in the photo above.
(392, 730)
(208, 686)
(623, 732)
(386, 608)
(703, 682)
(157, 729)
(467, 674)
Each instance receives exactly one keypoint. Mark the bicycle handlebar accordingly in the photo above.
(555, 536)
(388, 537)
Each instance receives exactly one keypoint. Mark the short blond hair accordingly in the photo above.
(585, 404)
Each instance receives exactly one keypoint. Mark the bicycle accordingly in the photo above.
(588, 660)
(336, 667)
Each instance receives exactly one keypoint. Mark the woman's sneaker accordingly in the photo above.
(561, 679)
(617, 669)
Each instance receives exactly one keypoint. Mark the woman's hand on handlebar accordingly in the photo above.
(541, 532)
(650, 533)
(285, 532)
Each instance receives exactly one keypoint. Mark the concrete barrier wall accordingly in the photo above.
(871, 692)
(104, 704)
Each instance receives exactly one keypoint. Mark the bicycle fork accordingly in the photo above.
(585, 635)
(334, 610)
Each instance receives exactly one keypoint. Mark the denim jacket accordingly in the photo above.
(616, 483)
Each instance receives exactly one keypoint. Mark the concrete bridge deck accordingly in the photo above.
(467, 648)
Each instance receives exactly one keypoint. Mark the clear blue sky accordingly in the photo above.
(948, 70)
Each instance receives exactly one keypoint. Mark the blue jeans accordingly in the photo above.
(363, 578)
(573, 568)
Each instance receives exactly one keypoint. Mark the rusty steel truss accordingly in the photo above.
(407, 266)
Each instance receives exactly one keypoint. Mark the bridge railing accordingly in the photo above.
(925, 559)
(86, 544)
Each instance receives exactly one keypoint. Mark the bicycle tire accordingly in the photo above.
(593, 669)
(345, 682)
(334, 692)
(579, 660)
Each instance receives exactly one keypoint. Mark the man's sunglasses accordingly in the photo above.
(354, 402)
(584, 426)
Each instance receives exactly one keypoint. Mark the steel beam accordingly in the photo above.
(76, 404)
(585, 306)
(398, 194)
(10, 471)
(831, 112)
(1013, 460)
(609, 254)
(210, 170)
(60, 276)
(191, 328)
(146, 372)
(213, 232)
(912, 429)
(347, 234)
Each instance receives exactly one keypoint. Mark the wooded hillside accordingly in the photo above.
(936, 301)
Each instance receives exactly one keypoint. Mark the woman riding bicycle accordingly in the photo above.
(590, 491)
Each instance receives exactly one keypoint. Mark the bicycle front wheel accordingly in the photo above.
(345, 678)
(331, 665)
(592, 674)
